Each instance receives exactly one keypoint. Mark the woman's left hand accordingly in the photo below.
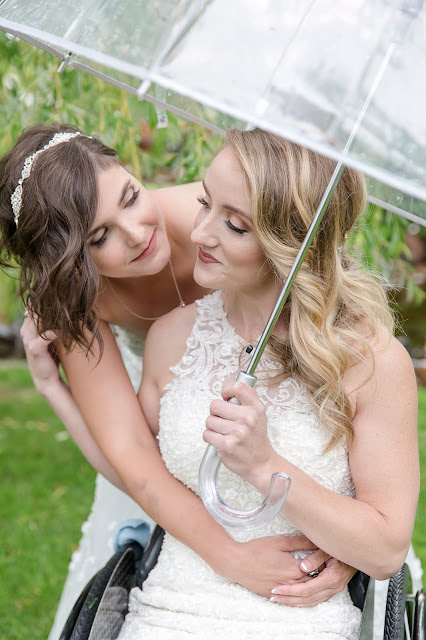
(42, 359)
(239, 432)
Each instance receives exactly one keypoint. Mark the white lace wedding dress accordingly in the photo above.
(110, 506)
(182, 597)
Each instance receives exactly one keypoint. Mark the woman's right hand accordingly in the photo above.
(263, 563)
(43, 364)
(332, 579)
(42, 360)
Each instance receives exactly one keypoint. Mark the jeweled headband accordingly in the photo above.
(16, 197)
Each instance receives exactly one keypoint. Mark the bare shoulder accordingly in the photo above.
(387, 356)
(384, 378)
(393, 368)
(166, 341)
(177, 323)
(179, 203)
(390, 352)
(391, 361)
(174, 193)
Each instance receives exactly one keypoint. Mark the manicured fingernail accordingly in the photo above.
(274, 591)
(274, 599)
(306, 566)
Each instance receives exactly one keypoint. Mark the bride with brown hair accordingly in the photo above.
(100, 259)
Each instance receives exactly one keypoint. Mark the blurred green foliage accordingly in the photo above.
(380, 239)
(31, 90)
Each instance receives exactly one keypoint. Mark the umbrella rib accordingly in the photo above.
(262, 104)
(91, 12)
(191, 15)
(149, 98)
(397, 210)
(34, 42)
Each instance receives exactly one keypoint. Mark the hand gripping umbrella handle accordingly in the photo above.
(216, 505)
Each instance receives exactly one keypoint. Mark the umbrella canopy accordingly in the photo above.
(301, 68)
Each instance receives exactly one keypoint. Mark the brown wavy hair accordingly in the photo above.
(57, 279)
(332, 296)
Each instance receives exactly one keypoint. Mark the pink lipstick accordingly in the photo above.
(206, 257)
(150, 248)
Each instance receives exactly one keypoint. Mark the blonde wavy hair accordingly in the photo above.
(332, 295)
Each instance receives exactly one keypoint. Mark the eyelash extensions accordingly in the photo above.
(228, 223)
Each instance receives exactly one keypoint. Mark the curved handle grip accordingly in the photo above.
(216, 505)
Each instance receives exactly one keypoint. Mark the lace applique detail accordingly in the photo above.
(214, 347)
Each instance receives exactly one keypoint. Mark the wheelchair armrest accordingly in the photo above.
(150, 555)
(358, 586)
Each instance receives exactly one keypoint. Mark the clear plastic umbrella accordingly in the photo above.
(345, 79)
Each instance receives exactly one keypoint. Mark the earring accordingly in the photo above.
(345, 237)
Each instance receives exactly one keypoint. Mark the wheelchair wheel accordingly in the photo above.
(109, 593)
(107, 590)
(405, 611)
(419, 623)
(396, 606)
(75, 611)
(102, 606)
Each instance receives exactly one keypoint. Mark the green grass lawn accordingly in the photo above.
(419, 536)
(46, 493)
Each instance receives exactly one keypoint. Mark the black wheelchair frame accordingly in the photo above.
(99, 612)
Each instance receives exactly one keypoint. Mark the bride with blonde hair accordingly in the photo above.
(334, 406)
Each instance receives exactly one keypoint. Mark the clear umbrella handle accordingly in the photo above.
(216, 505)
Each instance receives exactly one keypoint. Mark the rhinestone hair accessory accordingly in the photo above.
(16, 197)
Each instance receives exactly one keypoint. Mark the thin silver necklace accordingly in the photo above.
(181, 302)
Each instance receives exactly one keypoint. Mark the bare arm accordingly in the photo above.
(372, 532)
(44, 368)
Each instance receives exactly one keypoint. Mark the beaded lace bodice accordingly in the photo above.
(182, 595)
(214, 354)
